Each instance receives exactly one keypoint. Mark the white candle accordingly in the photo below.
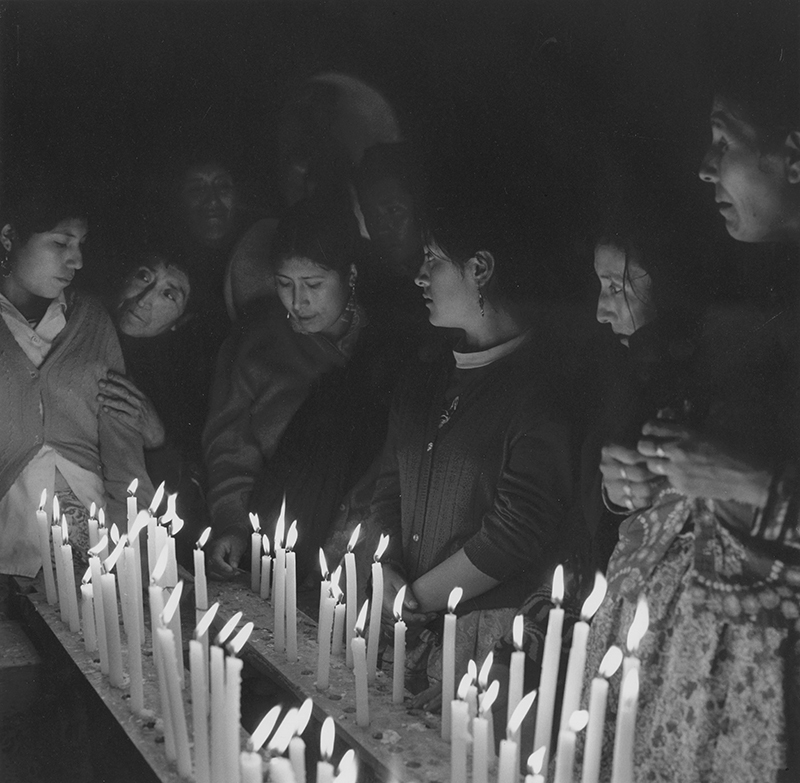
(598, 696)
(351, 595)
(134, 638)
(297, 748)
(622, 769)
(43, 529)
(132, 507)
(280, 770)
(449, 659)
(108, 584)
(95, 566)
(200, 583)
(348, 769)
(255, 554)
(161, 673)
(233, 684)
(291, 594)
(279, 589)
(636, 632)
(535, 766)
(509, 765)
(197, 663)
(399, 671)
(565, 753)
(89, 629)
(326, 608)
(487, 693)
(170, 655)
(517, 670)
(376, 609)
(249, 768)
(201, 635)
(134, 539)
(56, 531)
(483, 734)
(156, 596)
(327, 739)
(171, 577)
(359, 647)
(92, 524)
(266, 569)
(339, 608)
(172, 608)
(471, 696)
(152, 528)
(70, 591)
(459, 721)
(250, 760)
(550, 665)
(217, 678)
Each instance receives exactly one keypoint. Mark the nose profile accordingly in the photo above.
(422, 275)
(603, 314)
(143, 299)
(708, 168)
(75, 260)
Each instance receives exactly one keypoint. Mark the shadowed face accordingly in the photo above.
(208, 202)
(449, 296)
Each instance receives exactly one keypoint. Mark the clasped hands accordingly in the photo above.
(693, 463)
(121, 398)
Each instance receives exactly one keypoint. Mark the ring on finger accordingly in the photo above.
(660, 453)
(626, 490)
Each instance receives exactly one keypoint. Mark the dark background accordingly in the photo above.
(539, 98)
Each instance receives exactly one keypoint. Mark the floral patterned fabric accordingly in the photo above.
(720, 663)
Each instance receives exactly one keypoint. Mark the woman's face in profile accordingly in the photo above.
(314, 297)
(208, 203)
(625, 300)
(153, 298)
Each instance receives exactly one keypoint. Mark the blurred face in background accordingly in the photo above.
(208, 203)
(625, 300)
(153, 299)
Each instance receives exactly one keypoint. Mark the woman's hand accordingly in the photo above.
(224, 554)
(120, 397)
(701, 466)
(392, 582)
(628, 480)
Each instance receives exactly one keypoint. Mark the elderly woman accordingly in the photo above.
(716, 554)
(56, 344)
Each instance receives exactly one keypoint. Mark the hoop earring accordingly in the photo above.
(480, 301)
(5, 267)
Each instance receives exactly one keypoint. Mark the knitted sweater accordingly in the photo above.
(490, 474)
(56, 405)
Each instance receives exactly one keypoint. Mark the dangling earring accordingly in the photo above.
(5, 267)
(480, 301)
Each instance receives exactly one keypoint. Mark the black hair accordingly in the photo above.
(323, 230)
(170, 257)
(40, 206)
(397, 161)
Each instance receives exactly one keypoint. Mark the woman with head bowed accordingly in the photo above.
(716, 551)
(56, 343)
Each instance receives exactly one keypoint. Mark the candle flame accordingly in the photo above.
(454, 598)
(641, 619)
(99, 547)
(139, 524)
(536, 760)
(362, 618)
(160, 568)
(92, 506)
(558, 585)
(176, 526)
(595, 598)
(227, 629)
(335, 577)
(206, 620)
(56, 510)
(397, 607)
(172, 604)
(203, 540)
(43, 501)
(578, 720)
(520, 711)
(354, 538)
(472, 671)
(323, 566)
(264, 728)
(516, 633)
(327, 738)
(348, 768)
(265, 544)
(303, 716)
(383, 542)
(488, 698)
(133, 486)
(111, 560)
(630, 688)
(157, 498)
(280, 527)
(291, 536)
(114, 534)
(282, 737)
(611, 662)
(101, 517)
(255, 523)
(87, 577)
(241, 638)
(483, 674)
(463, 686)
(64, 530)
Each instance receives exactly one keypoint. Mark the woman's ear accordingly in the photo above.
(482, 267)
(792, 145)
(7, 236)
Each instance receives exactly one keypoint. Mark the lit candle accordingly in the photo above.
(125, 592)
(87, 606)
(449, 658)
(598, 696)
(56, 531)
(152, 544)
(280, 770)
(134, 540)
(132, 507)
(219, 731)
(156, 595)
(508, 766)
(577, 653)
(622, 769)
(233, 700)
(175, 626)
(376, 608)
(565, 753)
(483, 688)
(351, 596)
(70, 591)
(483, 735)
(91, 523)
(548, 678)
(96, 567)
(43, 529)
(459, 734)
(200, 583)
(636, 632)
(535, 761)
(348, 768)
(399, 672)
(132, 598)
(359, 647)
(337, 643)
(255, 554)
(326, 607)
(170, 654)
(291, 594)
(517, 669)
(327, 738)
(108, 584)
(197, 667)
(279, 589)
(266, 569)
(250, 760)
(201, 635)
(157, 607)
(175, 523)
(297, 748)
(471, 697)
